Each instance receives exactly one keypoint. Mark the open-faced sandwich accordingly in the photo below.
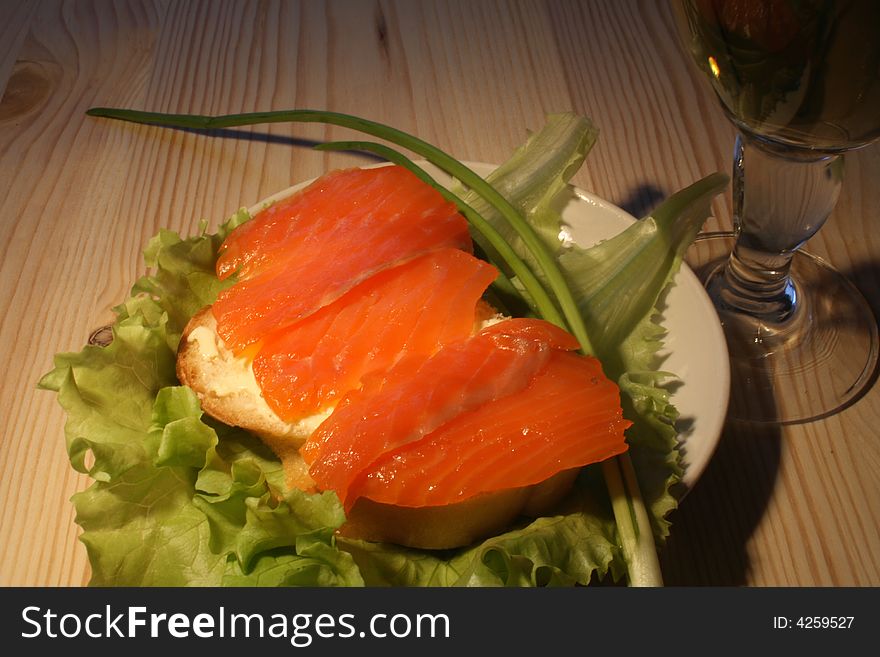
(354, 342)
(351, 385)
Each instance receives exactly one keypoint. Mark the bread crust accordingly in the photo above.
(455, 525)
(201, 366)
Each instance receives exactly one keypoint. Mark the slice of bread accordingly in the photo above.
(228, 391)
(455, 525)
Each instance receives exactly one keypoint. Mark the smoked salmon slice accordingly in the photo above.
(305, 252)
(413, 308)
(419, 394)
(569, 416)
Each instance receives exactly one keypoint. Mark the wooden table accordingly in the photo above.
(798, 505)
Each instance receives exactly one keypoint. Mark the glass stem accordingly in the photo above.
(781, 197)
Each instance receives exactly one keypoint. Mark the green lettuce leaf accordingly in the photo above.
(535, 181)
(178, 500)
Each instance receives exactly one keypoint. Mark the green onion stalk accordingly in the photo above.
(631, 516)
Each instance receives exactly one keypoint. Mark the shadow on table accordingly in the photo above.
(641, 200)
(269, 138)
(713, 525)
(866, 277)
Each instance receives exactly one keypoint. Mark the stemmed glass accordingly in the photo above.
(800, 79)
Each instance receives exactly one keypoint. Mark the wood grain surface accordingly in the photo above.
(80, 197)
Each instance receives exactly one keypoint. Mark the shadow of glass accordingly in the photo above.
(866, 278)
(711, 529)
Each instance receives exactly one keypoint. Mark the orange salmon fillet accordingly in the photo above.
(305, 252)
(413, 308)
(419, 394)
(568, 417)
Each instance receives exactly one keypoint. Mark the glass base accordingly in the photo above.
(815, 364)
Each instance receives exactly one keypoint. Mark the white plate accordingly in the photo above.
(695, 349)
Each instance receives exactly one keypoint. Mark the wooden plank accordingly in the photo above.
(66, 259)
